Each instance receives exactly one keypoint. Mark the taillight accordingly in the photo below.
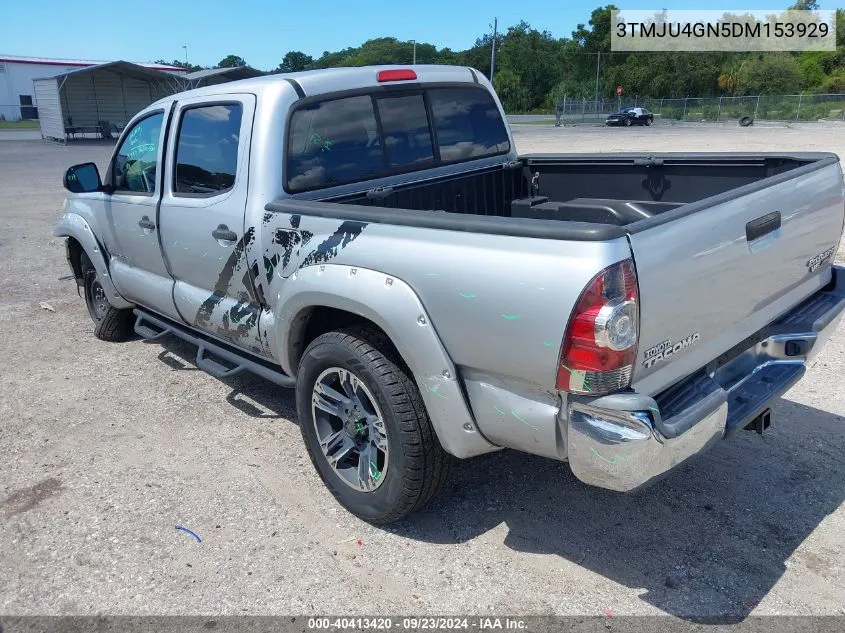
(396, 74)
(600, 346)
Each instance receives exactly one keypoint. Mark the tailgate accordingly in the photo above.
(713, 273)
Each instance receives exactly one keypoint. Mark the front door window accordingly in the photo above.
(137, 157)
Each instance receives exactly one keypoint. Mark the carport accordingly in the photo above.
(98, 101)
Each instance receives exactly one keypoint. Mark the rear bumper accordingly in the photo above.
(626, 441)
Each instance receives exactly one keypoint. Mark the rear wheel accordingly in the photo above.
(366, 428)
(648, 121)
(627, 122)
(110, 324)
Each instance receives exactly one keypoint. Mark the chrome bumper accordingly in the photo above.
(626, 441)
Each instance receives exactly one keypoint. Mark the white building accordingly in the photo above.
(17, 94)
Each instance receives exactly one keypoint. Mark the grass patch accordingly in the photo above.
(19, 125)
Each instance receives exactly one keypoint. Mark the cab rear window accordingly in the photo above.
(468, 124)
(333, 142)
(356, 138)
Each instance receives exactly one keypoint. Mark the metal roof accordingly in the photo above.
(55, 61)
(235, 73)
(126, 68)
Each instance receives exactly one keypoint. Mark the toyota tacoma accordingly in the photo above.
(371, 238)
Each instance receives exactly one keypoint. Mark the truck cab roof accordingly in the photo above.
(323, 81)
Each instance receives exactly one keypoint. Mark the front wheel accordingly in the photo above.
(648, 121)
(366, 428)
(110, 323)
(627, 122)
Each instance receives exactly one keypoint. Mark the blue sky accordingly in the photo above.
(262, 31)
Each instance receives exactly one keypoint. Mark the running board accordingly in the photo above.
(209, 353)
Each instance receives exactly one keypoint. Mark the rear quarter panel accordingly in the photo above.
(499, 304)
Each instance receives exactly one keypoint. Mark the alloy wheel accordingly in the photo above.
(350, 429)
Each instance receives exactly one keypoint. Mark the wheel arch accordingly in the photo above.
(318, 299)
(81, 238)
(74, 258)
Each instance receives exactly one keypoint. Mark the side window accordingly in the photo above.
(333, 142)
(137, 157)
(207, 149)
(404, 123)
(468, 124)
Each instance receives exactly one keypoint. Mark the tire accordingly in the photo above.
(627, 122)
(746, 121)
(648, 122)
(110, 324)
(412, 470)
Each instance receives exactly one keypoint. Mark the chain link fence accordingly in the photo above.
(813, 107)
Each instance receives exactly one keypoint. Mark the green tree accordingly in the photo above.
(535, 69)
(729, 78)
(295, 61)
(535, 57)
(231, 61)
(770, 73)
(511, 91)
(805, 5)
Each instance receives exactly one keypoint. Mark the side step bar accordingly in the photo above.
(209, 353)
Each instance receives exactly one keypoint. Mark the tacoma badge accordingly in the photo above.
(664, 350)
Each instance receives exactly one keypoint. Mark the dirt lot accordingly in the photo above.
(107, 447)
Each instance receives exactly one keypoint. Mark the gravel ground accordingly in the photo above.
(107, 447)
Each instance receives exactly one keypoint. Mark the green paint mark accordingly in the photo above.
(516, 415)
(436, 391)
(614, 460)
(375, 473)
(510, 317)
(548, 344)
(467, 295)
(499, 410)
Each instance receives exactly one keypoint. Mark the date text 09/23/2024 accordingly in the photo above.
(416, 623)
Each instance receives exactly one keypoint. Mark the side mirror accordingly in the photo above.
(84, 178)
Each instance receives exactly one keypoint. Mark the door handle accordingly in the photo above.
(223, 233)
(146, 224)
(762, 226)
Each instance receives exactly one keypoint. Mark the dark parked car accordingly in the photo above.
(631, 116)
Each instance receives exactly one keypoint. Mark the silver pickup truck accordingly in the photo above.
(371, 238)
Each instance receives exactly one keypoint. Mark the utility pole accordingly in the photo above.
(186, 55)
(598, 65)
(414, 63)
(493, 49)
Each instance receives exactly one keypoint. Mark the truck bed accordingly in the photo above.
(616, 190)
(695, 225)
